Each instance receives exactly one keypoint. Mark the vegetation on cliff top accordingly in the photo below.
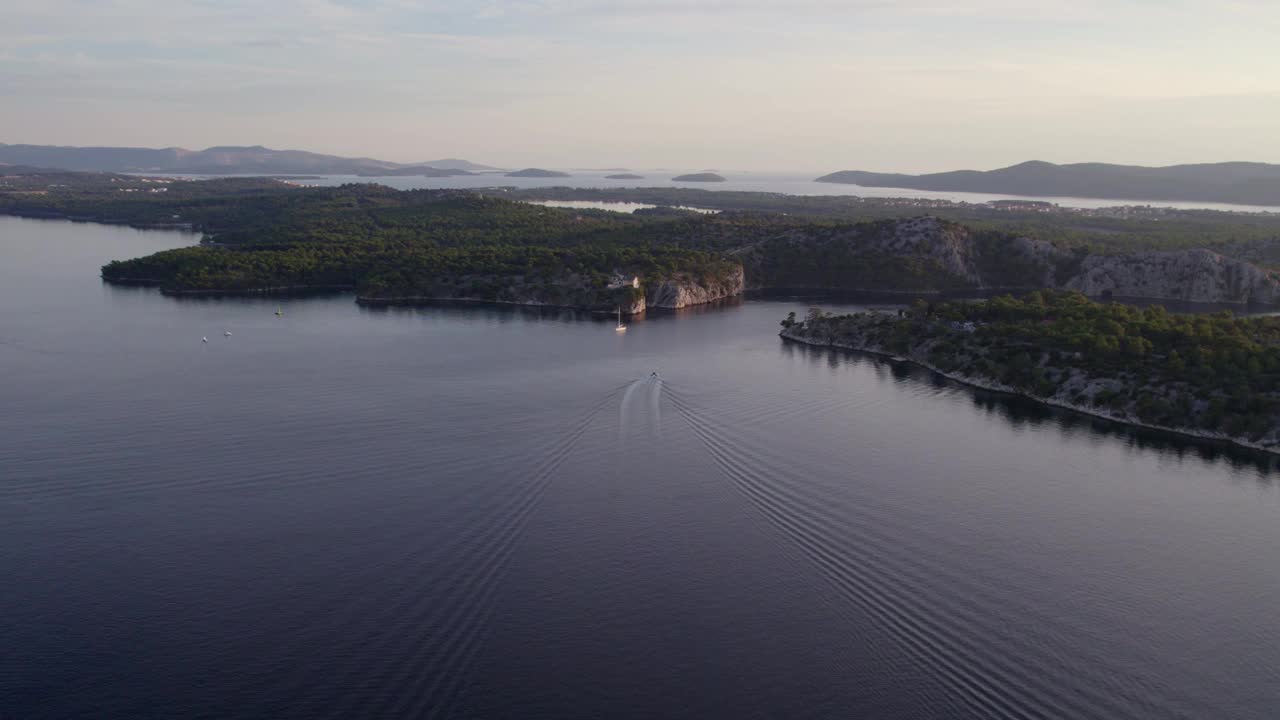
(388, 243)
(1253, 237)
(264, 233)
(1202, 373)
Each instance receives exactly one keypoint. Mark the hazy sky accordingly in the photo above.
(912, 85)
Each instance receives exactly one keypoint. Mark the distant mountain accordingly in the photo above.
(537, 173)
(220, 160)
(1230, 182)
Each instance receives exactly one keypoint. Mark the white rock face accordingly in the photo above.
(1190, 275)
(950, 245)
(684, 291)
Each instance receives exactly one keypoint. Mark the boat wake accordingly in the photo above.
(429, 676)
(651, 389)
(947, 624)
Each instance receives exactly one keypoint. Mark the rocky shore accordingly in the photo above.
(674, 293)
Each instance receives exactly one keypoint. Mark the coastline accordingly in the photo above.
(54, 215)
(990, 386)
(411, 300)
(268, 290)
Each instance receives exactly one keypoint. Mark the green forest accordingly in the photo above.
(1254, 237)
(1213, 372)
(263, 234)
(272, 234)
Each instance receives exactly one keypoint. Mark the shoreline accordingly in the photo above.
(53, 215)
(411, 300)
(851, 294)
(269, 290)
(989, 386)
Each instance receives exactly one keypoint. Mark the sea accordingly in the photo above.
(211, 510)
(740, 180)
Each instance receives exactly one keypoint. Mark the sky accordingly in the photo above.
(795, 85)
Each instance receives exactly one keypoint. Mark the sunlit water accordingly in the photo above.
(622, 207)
(490, 513)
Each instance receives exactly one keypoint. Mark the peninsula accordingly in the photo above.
(1211, 376)
(1243, 183)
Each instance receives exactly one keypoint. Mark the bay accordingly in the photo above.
(472, 511)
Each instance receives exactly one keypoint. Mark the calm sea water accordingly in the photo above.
(786, 183)
(491, 513)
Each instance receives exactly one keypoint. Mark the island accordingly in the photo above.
(538, 173)
(699, 177)
(1211, 376)
(1230, 182)
(624, 176)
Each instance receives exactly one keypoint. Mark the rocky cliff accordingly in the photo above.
(574, 291)
(684, 290)
(1191, 276)
(926, 254)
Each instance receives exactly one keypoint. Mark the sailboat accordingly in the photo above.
(621, 327)
(279, 311)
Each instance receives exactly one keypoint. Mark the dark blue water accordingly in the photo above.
(492, 513)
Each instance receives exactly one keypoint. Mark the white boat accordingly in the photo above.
(621, 327)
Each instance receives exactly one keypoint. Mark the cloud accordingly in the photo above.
(621, 81)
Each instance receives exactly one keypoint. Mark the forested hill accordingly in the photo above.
(388, 244)
(1213, 375)
(1232, 182)
(265, 235)
(1254, 237)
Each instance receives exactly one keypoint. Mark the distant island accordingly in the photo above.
(1211, 376)
(698, 177)
(538, 173)
(1231, 182)
(457, 164)
(220, 160)
(624, 176)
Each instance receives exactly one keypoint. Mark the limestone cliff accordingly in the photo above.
(928, 255)
(684, 290)
(1191, 275)
(678, 291)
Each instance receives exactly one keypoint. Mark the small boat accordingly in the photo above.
(204, 339)
(279, 311)
(226, 333)
(621, 327)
